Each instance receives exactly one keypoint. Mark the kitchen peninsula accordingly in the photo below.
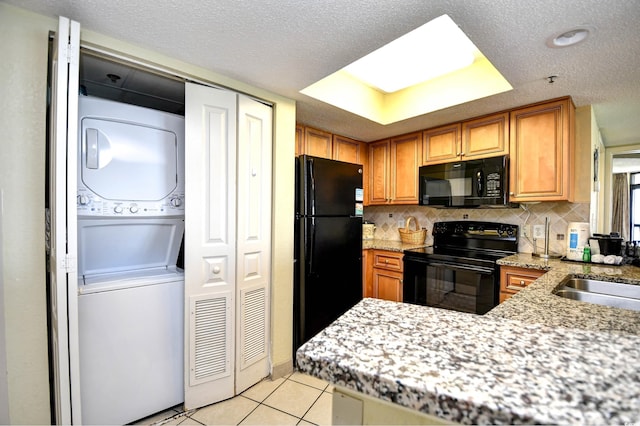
(536, 358)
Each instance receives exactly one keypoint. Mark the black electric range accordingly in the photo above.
(459, 271)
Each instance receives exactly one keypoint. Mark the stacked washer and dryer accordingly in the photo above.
(130, 290)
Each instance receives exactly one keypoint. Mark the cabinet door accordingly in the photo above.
(349, 150)
(486, 136)
(387, 285)
(513, 279)
(379, 173)
(299, 148)
(405, 161)
(367, 273)
(540, 148)
(441, 144)
(317, 143)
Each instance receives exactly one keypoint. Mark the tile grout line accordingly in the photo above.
(188, 414)
(264, 399)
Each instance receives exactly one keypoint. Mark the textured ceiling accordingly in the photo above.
(285, 45)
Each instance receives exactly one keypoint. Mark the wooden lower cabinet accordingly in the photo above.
(382, 272)
(367, 273)
(514, 279)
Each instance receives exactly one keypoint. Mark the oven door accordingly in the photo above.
(450, 285)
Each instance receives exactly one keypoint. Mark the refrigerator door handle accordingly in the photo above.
(312, 243)
(312, 183)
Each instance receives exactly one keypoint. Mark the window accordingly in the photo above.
(634, 202)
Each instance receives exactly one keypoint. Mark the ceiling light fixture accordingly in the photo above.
(571, 37)
(434, 49)
(369, 86)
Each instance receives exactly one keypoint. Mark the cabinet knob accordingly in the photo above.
(511, 193)
(522, 283)
(462, 154)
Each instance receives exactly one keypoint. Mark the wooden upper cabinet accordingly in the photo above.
(393, 170)
(485, 137)
(349, 150)
(317, 142)
(405, 161)
(379, 162)
(478, 138)
(441, 144)
(299, 140)
(320, 143)
(541, 145)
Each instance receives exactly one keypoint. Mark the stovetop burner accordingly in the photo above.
(482, 241)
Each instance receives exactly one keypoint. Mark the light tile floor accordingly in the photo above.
(297, 399)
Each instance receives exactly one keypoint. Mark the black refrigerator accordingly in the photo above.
(328, 243)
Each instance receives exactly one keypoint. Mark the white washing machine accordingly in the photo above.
(130, 291)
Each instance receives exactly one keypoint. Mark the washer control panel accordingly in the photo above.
(90, 204)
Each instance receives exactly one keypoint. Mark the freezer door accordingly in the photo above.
(329, 280)
(329, 187)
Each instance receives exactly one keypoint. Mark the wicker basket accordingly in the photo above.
(409, 236)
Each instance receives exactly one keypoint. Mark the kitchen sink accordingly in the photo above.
(617, 295)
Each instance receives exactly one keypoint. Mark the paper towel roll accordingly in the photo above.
(577, 238)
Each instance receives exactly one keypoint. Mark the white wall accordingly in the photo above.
(4, 391)
(23, 72)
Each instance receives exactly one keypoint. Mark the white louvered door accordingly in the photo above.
(254, 241)
(210, 249)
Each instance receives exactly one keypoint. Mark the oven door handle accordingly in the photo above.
(461, 267)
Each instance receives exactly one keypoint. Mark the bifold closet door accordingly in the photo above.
(61, 216)
(210, 244)
(253, 241)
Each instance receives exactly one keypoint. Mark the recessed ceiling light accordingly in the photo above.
(571, 37)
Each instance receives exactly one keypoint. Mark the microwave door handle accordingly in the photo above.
(480, 183)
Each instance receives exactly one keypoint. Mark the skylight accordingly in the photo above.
(437, 48)
(433, 67)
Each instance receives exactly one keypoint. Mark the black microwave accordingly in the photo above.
(471, 183)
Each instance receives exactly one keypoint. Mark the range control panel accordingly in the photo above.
(89, 204)
(479, 229)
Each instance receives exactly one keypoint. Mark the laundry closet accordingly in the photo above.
(162, 187)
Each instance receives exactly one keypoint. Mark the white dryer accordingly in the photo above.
(130, 291)
(130, 160)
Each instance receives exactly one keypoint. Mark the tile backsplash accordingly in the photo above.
(386, 219)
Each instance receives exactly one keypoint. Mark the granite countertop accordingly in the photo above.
(536, 358)
(537, 304)
(390, 245)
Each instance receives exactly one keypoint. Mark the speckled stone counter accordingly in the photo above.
(537, 303)
(388, 245)
(536, 358)
(479, 369)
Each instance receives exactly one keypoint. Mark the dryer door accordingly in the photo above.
(128, 161)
